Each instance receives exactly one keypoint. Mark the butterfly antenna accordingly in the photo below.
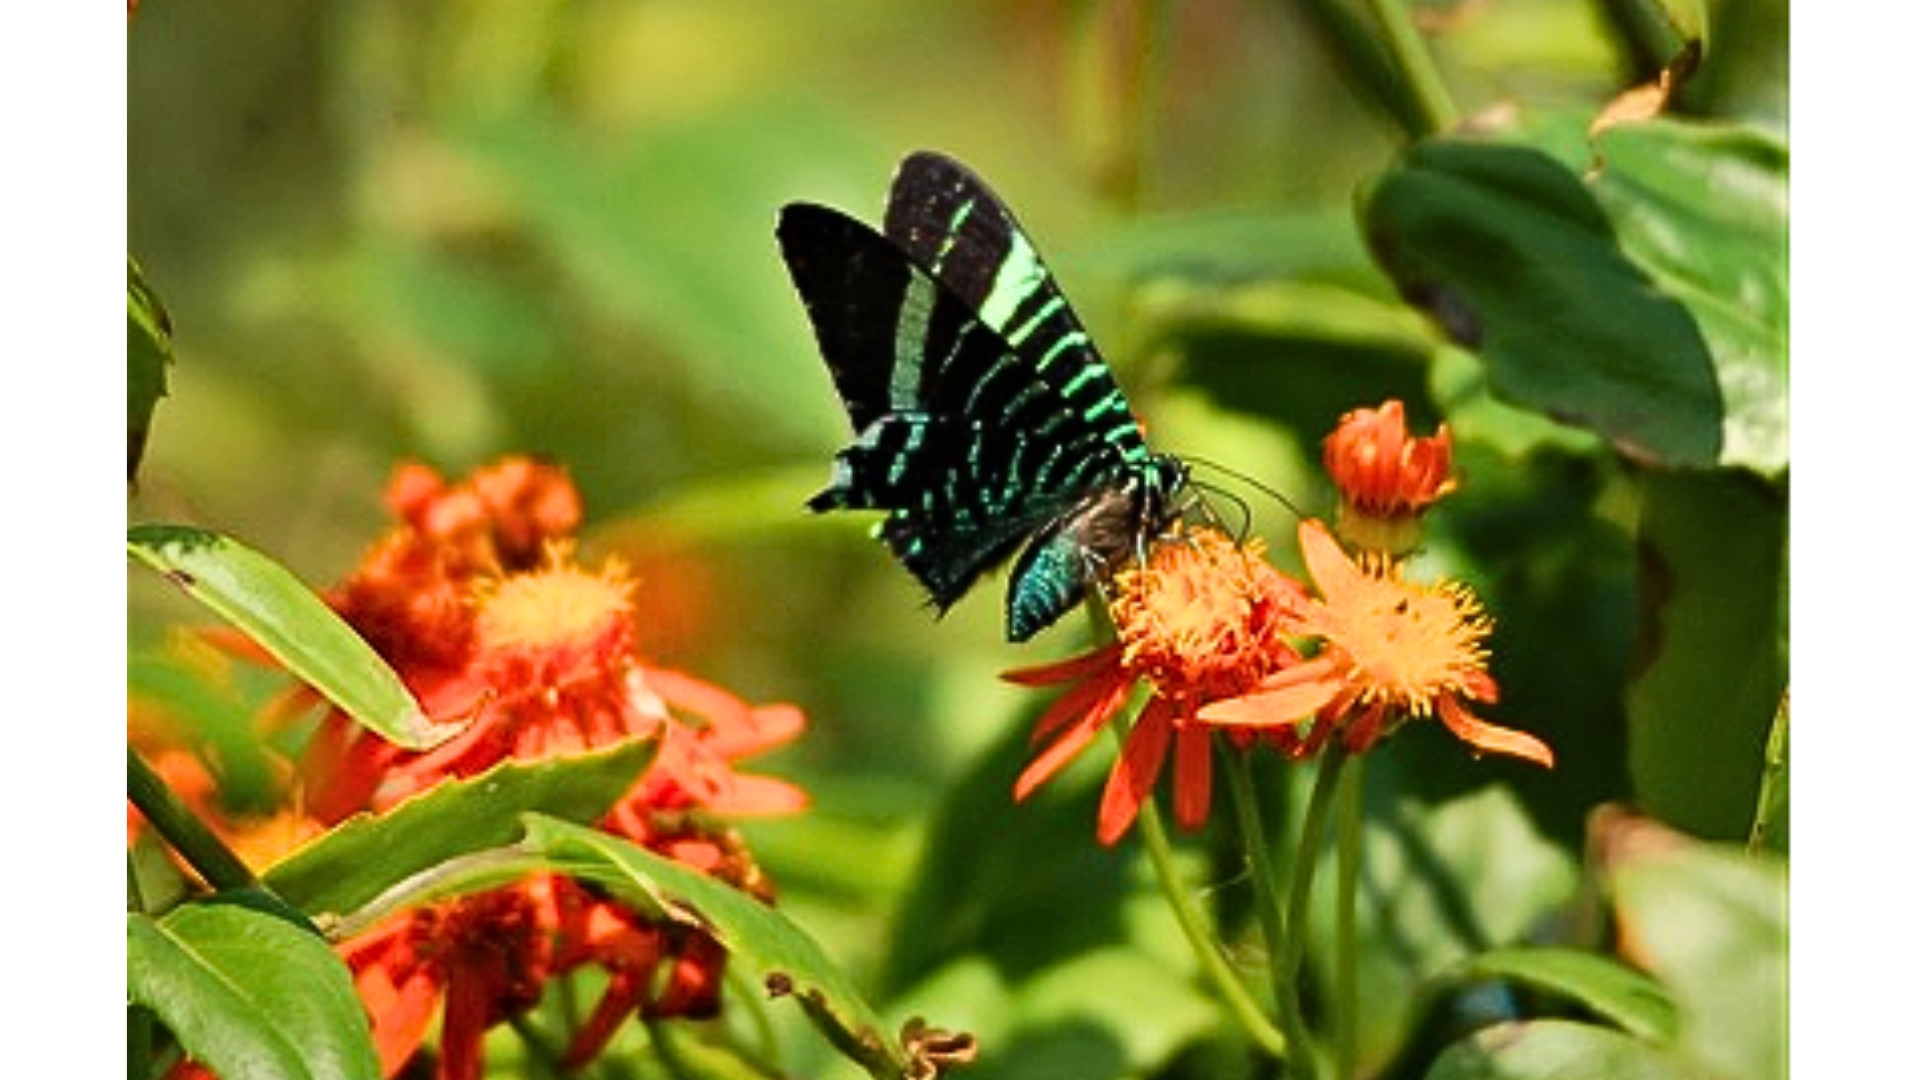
(1236, 474)
(1206, 511)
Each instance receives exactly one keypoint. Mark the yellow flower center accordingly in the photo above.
(557, 607)
(1202, 619)
(1410, 643)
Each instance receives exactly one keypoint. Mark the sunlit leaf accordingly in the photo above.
(1638, 1004)
(1703, 210)
(1710, 922)
(789, 959)
(248, 994)
(367, 854)
(274, 608)
(1512, 256)
(1557, 1050)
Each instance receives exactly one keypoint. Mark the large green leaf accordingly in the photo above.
(1558, 1050)
(1713, 571)
(789, 959)
(1710, 922)
(1510, 253)
(249, 995)
(366, 855)
(1703, 210)
(149, 351)
(1438, 882)
(264, 599)
(1639, 1005)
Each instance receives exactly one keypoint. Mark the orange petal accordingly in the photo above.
(1287, 697)
(1491, 738)
(1075, 739)
(1072, 669)
(1192, 774)
(1131, 781)
(1327, 562)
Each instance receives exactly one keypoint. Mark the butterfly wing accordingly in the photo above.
(984, 416)
(967, 453)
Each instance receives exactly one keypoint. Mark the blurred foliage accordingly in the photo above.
(448, 231)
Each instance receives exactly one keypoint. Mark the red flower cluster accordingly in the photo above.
(476, 602)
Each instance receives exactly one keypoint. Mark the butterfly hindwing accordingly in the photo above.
(984, 420)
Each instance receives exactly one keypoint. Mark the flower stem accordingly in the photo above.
(1232, 992)
(1770, 804)
(183, 830)
(1346, 986)
(1253, 836)
(1421, 77)
(1313, 834)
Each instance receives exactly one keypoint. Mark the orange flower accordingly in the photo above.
(1392, 650)
(479, 606)
(1203, 622)
(1386, 478)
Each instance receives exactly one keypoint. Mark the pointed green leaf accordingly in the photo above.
(1515, 259)
(1600, 983)
(273, 607)
(366, 855)
(1703, 210)
(1557, 1050)
(149, 351)
(792, 963)
(248, 994)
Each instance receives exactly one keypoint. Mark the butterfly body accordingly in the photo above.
(985, 420)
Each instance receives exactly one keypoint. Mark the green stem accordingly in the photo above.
(1398, 75)
(1253, 836)
(1346, 986)
(183, 830)
(1313, 834)
(1244, 1009)
(1773, 780)
(1419, 74)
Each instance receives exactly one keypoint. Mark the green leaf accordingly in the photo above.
(1557, 1050)
(248, 994)
(1438, 883)
(1711, 924)
(791, 961)
(1703, 210)
(273, 607)
(149, 351)
(1510, 253)
(1639, 1005)
(366, 855)
(1713, 588)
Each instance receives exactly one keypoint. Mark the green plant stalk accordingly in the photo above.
(1233, 993)
(1346, 986)
(183, 830)
(1773, 779)
(1253, 836)
(1361, 59)
(1420, 76)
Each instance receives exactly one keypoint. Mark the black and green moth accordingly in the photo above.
(984, 418)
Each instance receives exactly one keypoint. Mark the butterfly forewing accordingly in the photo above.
(983, 417)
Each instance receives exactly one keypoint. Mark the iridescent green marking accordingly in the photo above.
(1020, 273)
(910, 341)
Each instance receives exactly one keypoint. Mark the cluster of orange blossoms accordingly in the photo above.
(476, 602)
(1226, 643)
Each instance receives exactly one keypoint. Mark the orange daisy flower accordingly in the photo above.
(1386, 477)
(1392, 650)
(1203, 622)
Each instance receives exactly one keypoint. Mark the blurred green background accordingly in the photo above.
(450, 231)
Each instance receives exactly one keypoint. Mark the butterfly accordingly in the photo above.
(985, 421)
